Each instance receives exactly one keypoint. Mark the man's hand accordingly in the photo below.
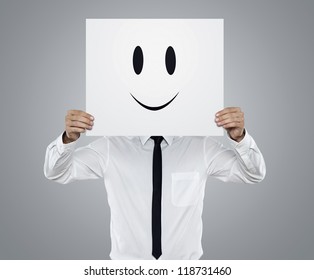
(76, 122)
(231, 119)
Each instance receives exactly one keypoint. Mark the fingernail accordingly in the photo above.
(217, 119)
(92, 118)
(91, 123)
(217, 115)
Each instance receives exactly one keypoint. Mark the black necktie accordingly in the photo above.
(156, 203)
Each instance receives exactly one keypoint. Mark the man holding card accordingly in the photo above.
(155, 184)
(151, 77)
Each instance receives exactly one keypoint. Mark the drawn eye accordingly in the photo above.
(170, 60)
(138, 60)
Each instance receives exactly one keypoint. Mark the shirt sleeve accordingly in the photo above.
(243, 163)
(64, 163)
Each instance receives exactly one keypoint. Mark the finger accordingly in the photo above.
(237, 115)
(240, 122)
(82, 119)
(78, 124)
(76, 130)
(80, 113)
(228, 110)
(232, 125)
(229, 117)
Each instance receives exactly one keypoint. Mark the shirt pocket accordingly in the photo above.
(185, 188)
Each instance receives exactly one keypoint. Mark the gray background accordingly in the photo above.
(268, 72)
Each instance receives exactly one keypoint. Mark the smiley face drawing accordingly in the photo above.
(153, 61)
(154, 76)
(170, 66)
(170, 63)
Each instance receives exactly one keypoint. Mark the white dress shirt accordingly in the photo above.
(125, 164)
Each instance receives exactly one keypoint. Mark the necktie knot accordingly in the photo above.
(157, 139)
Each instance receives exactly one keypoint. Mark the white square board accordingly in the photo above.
(154, 76)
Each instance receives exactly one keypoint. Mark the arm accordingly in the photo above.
(243, 163)
(64, 163)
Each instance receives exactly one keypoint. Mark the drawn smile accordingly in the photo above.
(154, 108)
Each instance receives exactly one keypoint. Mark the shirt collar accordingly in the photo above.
(169, 139)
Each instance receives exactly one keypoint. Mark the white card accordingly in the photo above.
(154, 76)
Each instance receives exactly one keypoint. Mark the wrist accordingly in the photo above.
(66, 139)
(238, 138)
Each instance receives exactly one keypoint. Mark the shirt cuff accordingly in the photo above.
(61, 147)
(244, 145)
